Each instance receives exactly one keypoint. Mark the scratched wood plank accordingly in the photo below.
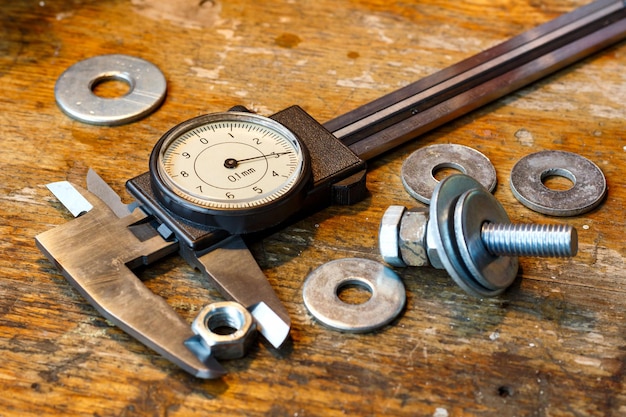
(553, 344)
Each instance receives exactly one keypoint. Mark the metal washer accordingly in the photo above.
(529, 173)
(74, 90)
(385, 304)
(441, 231)
(419, 168)
(473, 209)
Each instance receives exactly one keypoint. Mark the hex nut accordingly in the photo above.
(432, 247)
(388, 236)
(412, 237)
(227, 329)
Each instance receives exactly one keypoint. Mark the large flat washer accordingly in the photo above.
(321, 295)
(529, 173)
(473, 209)
(441, 231)
(418, 170)
(74, 90)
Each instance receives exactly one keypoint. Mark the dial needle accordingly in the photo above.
(233, 163)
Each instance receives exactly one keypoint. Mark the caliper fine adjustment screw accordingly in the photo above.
(467, 232)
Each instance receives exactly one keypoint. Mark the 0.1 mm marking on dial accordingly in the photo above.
(229, 164)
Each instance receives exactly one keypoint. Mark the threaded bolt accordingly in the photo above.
(468, 233)
(537, 240)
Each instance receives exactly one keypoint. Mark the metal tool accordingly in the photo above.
(468, 233)
(588, 190)
(97, 252)
(74, 89)
(329, 169)
(215, 177)
(321, 298)
(419, 169)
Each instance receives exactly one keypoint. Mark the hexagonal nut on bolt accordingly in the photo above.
(389, 236)
(412, 237)
(402, 236)
(226, 328)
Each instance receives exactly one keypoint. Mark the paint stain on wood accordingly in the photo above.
(288, 40)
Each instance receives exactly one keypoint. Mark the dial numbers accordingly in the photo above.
(232, 164)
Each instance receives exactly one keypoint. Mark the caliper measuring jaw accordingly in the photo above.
(97, 252)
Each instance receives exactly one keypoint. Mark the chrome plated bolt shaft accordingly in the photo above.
(536, 240)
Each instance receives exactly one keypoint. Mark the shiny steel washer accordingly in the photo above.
(322, 285)
(441, 232)
(473, 209)
(529, 173)
(74, 90)
(419, 168)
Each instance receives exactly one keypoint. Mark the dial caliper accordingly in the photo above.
(218, 178)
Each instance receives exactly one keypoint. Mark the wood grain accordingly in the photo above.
(552, 345)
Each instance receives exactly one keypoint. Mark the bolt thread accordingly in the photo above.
(538, 240)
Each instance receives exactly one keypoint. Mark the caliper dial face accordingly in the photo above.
(230, 161)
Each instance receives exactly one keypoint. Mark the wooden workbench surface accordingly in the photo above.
(552, 345)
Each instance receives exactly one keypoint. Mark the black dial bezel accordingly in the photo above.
(233, 220)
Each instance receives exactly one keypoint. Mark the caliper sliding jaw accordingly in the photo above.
(97, 252)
